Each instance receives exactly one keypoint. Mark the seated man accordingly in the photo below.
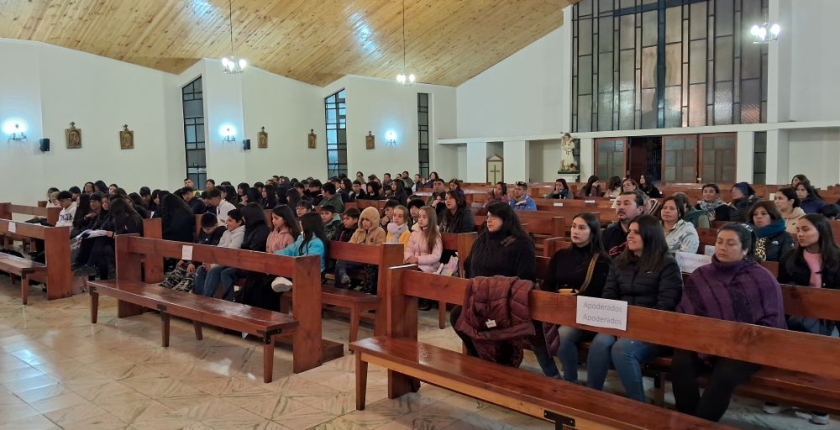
(330, 197)
(521, 200)
(629, 205)
(196, 204)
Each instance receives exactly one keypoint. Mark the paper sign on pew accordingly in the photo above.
(689, 262)
(558, 205)
(597, 312)
(12, 227)
(186, 253)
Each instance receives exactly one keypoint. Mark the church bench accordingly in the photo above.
(584, 205)
(462, 244)
(409, 362)
(56, 272)
(358, 303)
(22, 268)
(306, 339)
(262, 323)
(7, 211)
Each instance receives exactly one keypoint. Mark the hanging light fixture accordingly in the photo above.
(405, 78)
(765, 33)
(231, 65)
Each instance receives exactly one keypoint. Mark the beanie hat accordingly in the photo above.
(744, 188)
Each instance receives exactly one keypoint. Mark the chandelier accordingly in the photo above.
(405, 78)
(231, 65)
(765, 33)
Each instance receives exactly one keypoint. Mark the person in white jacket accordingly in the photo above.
(68, 209)
(232, 239)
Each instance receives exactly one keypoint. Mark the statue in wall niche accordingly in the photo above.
(262, 138)
(73, 136)
(126, 138)
(567, 156)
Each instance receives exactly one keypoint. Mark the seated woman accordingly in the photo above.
(797, 179)
(647, 187)
(732, 288)
(711, 202)
(773, 240)
(311, 241)
(591, 189)
(645, 275)
(680, 234)
(814, 263)
(177, 219)
(629, 184)
(96, 254)
(743, 197)
(579, 269)
(373, 191)
(286, 229)
(614, 188)
(809, 199)
(455, 185)
(503, 249)
(425, 247)
(697, 218)
(788, 204)
(561, 190)
(457, 217)
(497, 194)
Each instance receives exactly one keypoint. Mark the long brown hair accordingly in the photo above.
(431, 233)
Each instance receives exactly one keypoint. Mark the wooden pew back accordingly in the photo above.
(305, 273)
(56, 253)
(7, 210)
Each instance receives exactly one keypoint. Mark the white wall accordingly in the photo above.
(815, 65)
(379, 106)
(815, 153)
(287, 109)
(48, 87)
(522, 95)
(545, 160)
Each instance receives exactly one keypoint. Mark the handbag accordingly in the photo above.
(589, 272)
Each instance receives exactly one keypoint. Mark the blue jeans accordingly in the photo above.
(570, 337)
(545, 358)
(626, 355)
(206, 282)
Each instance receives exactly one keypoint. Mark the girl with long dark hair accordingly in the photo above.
(312, 240)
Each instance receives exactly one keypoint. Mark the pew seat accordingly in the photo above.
(356, 301)
(201, 310)
(567, 405)
(23, 269)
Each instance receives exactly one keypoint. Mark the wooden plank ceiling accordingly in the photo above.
(314, 41)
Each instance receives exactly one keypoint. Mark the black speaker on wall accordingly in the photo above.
(44, 145)
(246, 144)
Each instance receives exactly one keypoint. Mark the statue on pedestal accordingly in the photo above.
(567, 158)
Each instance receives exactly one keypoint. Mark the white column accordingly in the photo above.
(745, 157)
(517, 160)
(477, 162)
(779, 60)
(778, 157)
(566, 38)
(587, 158)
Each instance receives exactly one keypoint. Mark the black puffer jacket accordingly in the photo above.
(661, 289)
(794, 270)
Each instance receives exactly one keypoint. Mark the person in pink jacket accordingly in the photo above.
(425, 246)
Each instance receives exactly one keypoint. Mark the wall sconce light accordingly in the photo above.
(16, 132)
(228, 134)
(391, 138)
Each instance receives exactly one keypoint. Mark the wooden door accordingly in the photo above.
(679, 159)
(718, 157)
(610, 157)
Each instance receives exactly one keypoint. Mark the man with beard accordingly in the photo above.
(628, 206)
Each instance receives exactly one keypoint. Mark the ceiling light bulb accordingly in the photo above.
(775, 29)
(755, 30)
(242, 63)
(225, 62)
(411, 78)
(401, 78)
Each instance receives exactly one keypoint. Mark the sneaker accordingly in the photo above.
(345, 280)
(86, 271)
(773, 408)
(817, 418)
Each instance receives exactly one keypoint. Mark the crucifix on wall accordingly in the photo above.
(495, 169)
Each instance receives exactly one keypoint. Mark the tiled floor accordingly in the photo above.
(59, 371)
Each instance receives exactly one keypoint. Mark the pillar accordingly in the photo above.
(477, 162)
(517, 160)
(745, 157)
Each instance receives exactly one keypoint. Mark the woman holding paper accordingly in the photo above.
(733, 288)
(645, 275)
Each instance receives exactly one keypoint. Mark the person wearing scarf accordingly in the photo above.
(711, 201)
(732, 288)
(769, 227)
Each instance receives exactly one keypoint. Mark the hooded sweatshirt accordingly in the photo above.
(373, 236)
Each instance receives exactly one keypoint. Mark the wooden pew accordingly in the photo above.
(568, 405)
(51, 214)
(56, 274)
(135, 297)
(384, 257)
(462, 244)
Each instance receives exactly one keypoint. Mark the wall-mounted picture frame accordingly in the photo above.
(370, 141)
(312, 140)
(262, 139)
(126, 138)
(73, 136)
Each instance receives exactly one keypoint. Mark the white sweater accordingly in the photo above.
(65, 218)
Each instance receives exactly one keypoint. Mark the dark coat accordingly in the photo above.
(793, 270)
(777, 245)
(502, 303)
(462, 221)
(660, 289)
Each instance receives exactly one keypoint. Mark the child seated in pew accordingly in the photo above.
(183, 277)
(232, 239)
(734, 287)
(68, 209)
(414, 206)
(398, 230)
(425, 247)
(286, 229)
(349, 224)
(368, 233)
(304, 206)
(311, 241)
(96, 251)
(331, 221)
